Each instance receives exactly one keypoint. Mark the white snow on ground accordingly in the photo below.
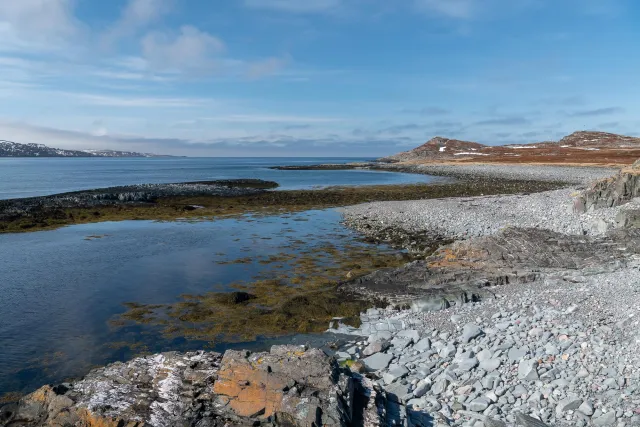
(473, 154)
(442, 149)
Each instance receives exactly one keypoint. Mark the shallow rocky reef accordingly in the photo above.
(133, 194)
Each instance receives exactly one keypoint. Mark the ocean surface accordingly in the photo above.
(62, 289)
(29, 177)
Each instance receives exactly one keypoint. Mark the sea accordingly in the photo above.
(30, 177)
(60, 290)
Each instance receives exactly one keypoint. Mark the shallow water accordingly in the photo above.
(30, 177)
(61, 288)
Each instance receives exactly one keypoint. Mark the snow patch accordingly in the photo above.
(472, 154)
(442, 149)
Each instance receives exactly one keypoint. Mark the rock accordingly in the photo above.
(469, 332)
(490, 365)
(523, 420)
(422, 388)
(423, 345)
(527, 370)
(492, 422)
(377, 361)
(440, 386)
(430, 304)
(568, 404)
(410, 334)
(400, 343)
(448, 351)
(479, 404)
(376, 347)
(586, 408)
(395, 373)
(484, 355)
(519, 390)
(467, 364)
(605, 420)
(290, 384)
(516, 354)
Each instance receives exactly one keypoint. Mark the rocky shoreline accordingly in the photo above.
(529, 318)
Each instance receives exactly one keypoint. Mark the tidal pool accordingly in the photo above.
(63, 291)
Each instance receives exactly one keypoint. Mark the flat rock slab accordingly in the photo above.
(378, 361)
(459, 273)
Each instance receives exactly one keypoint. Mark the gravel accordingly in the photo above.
(561, 351)
(462, 218)
(568, 174)
(569, 355)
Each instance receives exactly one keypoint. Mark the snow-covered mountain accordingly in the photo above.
(14, 149)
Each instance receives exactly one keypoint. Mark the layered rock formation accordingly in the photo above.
(461, 272)
(288, 386)
(610, 192)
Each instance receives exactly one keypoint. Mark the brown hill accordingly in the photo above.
(598, 139)
(437, 147)
(584, 147)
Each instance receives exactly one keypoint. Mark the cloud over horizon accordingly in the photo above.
(321, 77)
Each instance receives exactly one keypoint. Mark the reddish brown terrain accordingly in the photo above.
(585, 148)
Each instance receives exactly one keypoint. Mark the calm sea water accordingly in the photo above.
(59, 290)
(28, 177)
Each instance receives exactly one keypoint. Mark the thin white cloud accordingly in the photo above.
(262, 118)
(190, 50)
(133, 101)
(266, 67)
(36, 24)
(137, 15)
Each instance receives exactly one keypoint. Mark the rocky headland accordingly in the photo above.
(527, 318)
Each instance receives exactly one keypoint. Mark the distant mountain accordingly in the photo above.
(14, 149)
(442, 149)
(436, 147)
(599, 139)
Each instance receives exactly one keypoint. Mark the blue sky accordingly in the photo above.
(314, 77)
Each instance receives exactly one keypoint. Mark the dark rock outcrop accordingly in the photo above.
(610, 192)
(142, 193)
(288, 386)
(461, 272)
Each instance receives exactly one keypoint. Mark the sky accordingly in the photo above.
(359, 78)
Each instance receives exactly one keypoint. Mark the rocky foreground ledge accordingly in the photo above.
(288, 386)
